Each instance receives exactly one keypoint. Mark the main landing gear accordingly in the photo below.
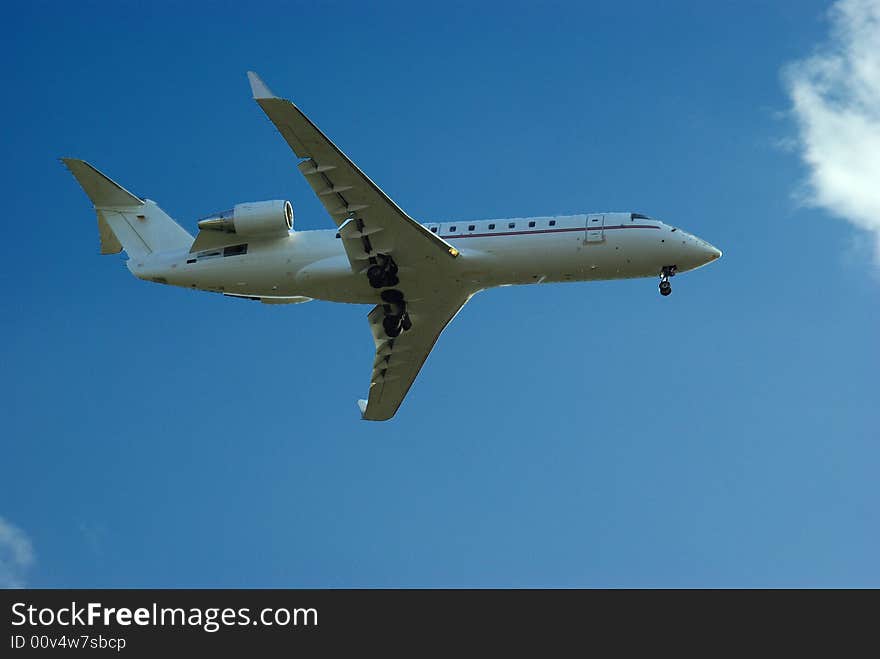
(383, 272)
(396, 318)
(667, 272)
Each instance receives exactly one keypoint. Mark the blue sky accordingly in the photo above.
(568, 435)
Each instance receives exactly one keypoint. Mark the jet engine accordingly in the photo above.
(263, 219)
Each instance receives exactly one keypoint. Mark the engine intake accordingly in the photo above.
(259, 218)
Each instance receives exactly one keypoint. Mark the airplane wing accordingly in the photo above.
(399, 360)
(375, 229)
(370, 222)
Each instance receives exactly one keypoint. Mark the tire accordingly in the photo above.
(665, 288)
(406, 323)
(391, 325)
(376, 276)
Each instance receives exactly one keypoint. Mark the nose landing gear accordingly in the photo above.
(667, 272)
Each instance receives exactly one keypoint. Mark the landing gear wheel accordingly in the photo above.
(666, 272)
(405, 322)
(376, 276)
(391, 325)
(383, 272)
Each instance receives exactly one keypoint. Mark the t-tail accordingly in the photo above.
(125, 221)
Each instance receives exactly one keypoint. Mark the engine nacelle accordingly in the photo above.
(263, 219)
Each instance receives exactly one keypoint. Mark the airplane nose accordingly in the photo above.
(705, 252)
(693, 252)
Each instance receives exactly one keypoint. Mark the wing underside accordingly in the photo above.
(410, 267)
(398, 360)
(347, 193)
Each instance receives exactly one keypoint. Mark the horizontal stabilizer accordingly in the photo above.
(125, 221)
(103, 191)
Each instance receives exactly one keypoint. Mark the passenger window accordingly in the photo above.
(471, 227)
(531, 224)
(552, 223)
(491, 226)
(433, 229)
(511, 225)
(452, 228)
(338, 236)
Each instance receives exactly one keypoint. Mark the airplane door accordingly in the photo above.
(595, 228)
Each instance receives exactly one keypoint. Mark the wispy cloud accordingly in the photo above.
(835, 95)
(16, 555)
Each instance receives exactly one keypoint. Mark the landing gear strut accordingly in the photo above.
(667, 272)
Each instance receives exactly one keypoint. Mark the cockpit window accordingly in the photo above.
(639, 216)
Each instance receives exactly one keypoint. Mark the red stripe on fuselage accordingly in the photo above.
(535, 231)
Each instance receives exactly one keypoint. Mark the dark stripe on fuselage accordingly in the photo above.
(536, 231)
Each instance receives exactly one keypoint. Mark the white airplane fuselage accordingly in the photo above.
(417, 277)
(502, 252)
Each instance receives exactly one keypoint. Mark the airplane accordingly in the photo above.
(417, 275)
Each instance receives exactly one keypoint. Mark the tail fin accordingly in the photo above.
(125, 221)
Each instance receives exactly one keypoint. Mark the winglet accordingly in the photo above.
(258, 87)
(362, 404)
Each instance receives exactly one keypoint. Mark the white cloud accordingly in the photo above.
(835, 95)
(16, 555)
